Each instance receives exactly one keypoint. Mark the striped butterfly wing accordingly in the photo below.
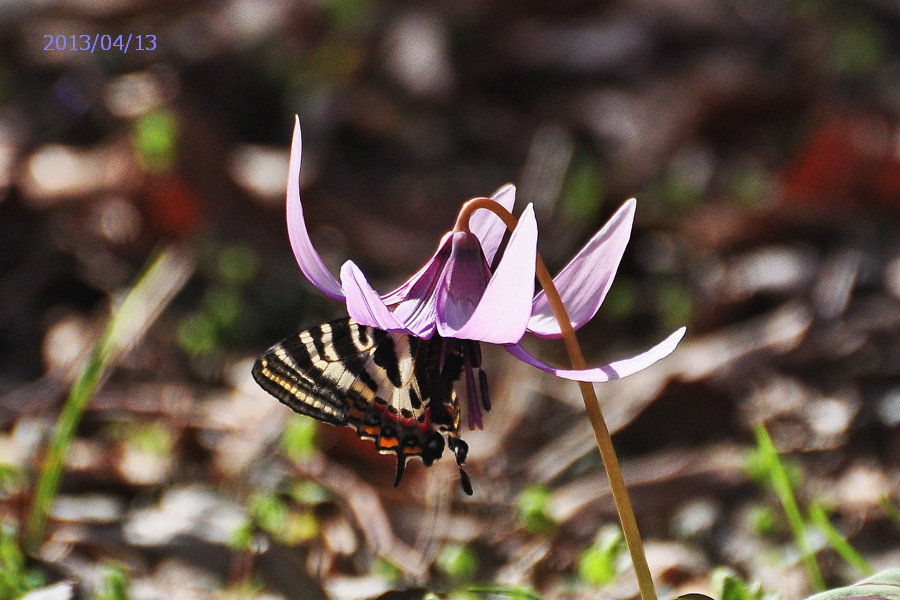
(394, 389)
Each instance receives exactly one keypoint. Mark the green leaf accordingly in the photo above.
(885, 584)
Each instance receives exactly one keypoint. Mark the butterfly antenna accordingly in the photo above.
(401, 468)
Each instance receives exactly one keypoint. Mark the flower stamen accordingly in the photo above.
(483, 387)
(474, 413)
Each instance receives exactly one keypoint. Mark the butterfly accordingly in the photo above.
(393, 388)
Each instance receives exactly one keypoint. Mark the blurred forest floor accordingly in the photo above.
(761, 139)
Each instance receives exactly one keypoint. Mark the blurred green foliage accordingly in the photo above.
(198, 334)
(766, 465)
(11, 479)
(621, 300)
(308, 492)
(676, 304)
(15, 578)
(583, 193)
(151, 438)
(763, 520)
(891, 510)
(237, 264)
(268, 511)
(747, 185)
(298, 438)
(223, 315)
(155, 140)
(283, 521)
(728, 586)
(858, 46)
(677, 189)
(385, 570)
(507, 591)
(457, 562)
(598, 564)
(533, 509)
(114, 585)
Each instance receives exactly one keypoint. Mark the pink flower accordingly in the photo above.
(457, 296)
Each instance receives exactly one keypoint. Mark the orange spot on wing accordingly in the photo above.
(388, 442)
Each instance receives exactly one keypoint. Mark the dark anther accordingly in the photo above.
(443, 358)
(483, 387)
(474, 349)
(474, 412)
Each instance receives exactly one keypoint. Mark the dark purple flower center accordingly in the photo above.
(464, 280)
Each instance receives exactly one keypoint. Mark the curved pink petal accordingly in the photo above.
(614, 370)
(408, 287)
(504, 308)
(363, 303)
(309, 260)
(488, 227)
(584, 282)
(416, 300)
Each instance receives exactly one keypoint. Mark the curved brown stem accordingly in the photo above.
(591, 404)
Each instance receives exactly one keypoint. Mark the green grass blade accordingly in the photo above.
(165, 273)
(515, 592)
(781, 483)
(890, 510)
(819, 518)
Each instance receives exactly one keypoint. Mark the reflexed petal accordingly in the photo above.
(309, 260)
(614, 370)
(584, 282)
(504, 308)
(363, 303)
(487, 226)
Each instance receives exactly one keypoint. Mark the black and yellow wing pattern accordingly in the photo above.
(393, 388)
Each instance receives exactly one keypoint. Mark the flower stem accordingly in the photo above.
(591, 404)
